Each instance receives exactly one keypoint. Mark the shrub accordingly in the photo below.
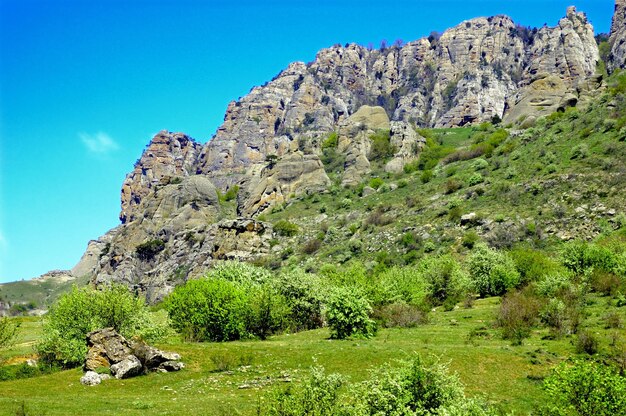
(84, 310)
(533, 265)
(586, 343)
(585, 388)
(475, 179)
(318, 395)
(445, 279)
(554, 315)
(579, 256)
(348, 314)
(452, 185)
(426, 176)
(209, 310)
(378, 217)
(552, 284)
(331, 141)
(492, 272)
(400, 314)
(239, 272)
(480, 164)
(399, 284)
(376, 183)
(381, 147)
(8, 332)
(470, 239)
(414, 388)
(518, 313)
(269, 311)
(302, 292)
(311, 246)
(285, 228)
(231, 194)
(146, 251)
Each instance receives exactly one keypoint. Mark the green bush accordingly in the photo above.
(492, 272)
(331, 141)
(146, 251)
(348, 314)
(269, 311)
(209, 310)
(302, 292)
(533, 265)
(239, 272)
(414, 388)
(444, 278)
(475, 179)
(84, 310)
(585, 388)
(399, 284)
(231, 194)
(426, 176)
(381, 147)
(318, 395)
(518, 313)
(285, 228)
(376, 183)
(579, 256)
(8, 332)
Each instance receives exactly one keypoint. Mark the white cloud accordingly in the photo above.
(99, 143)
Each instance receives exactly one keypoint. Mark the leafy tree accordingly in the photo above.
(348, 314)
(8, 332)
(84, 310)
(209, 310)
(492, 272)
(285, 228)
(585, 388)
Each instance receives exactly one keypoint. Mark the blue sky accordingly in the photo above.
(84, 84)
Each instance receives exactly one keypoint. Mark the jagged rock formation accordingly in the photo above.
(270, 144)
(168, 157)
(617, 39)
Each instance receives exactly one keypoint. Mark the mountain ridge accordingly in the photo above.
(185, 201)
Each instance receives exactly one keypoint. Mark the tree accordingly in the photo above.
(8, 332)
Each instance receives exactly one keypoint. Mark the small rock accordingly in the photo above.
(611, 212)
(468, 219)
(171, 366)
(244, 386)
(91, 378)
(129, 367)
(367, 191)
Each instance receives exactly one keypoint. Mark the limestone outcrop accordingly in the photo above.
(617, 39)
(174, 224)
(123, 358)
(168, 158)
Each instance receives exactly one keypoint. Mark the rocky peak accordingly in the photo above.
(617, 39)
(168, 157)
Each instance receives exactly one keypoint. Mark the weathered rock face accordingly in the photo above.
(408, 143)
(168, 157)
(180, 253)
(271, 140)
(355, 143)
(294, 174)
(617, 39)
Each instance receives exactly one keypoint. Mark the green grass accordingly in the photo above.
(487, 365)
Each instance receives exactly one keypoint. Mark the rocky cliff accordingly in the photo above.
(271, 144)
(617, 39)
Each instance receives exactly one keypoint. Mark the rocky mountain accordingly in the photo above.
(185, 204)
